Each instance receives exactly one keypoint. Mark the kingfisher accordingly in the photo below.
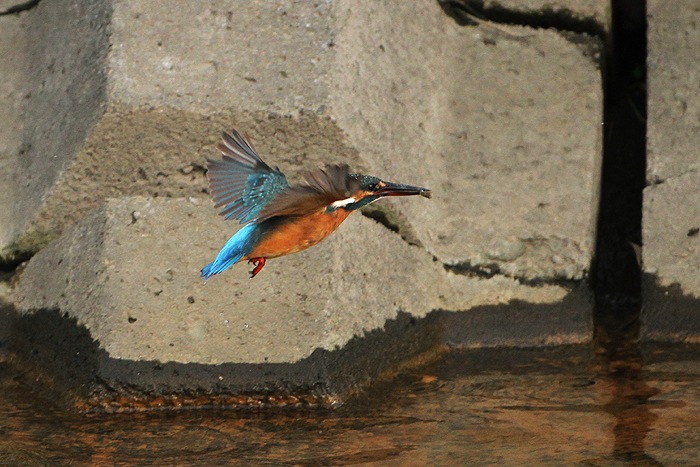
(280, 219)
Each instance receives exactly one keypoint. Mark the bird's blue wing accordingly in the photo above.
(241, 182)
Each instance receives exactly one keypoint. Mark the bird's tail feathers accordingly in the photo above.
(216, 266)
(235, 248)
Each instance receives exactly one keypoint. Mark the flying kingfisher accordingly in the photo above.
(281, 219)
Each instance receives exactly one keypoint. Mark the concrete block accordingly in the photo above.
(130, 273)
(63, 88)
(328, 318)
(672, 260)
(672, 199)
(502, 125)
(673, 132)
(112, 113)
(14, 91)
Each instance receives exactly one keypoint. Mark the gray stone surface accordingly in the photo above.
(130, 274)
(672, 199)
(671, 240)
(672, 260)
(674, 103)
(59, 51)
(14, 90)
(502, 125)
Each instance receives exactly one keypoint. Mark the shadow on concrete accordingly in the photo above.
(669, 314)
(51, 347)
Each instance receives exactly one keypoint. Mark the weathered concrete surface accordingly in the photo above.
(674, 104)
(329, 318)
(64, 96)
(503, 126)
(140, 116)
(672, 259)
(672, 199)
(504, 130)
(130, 273)
(14, 90)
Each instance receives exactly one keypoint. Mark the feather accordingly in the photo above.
(247, 189)
(321, 188)
(235, 248)
(241, 181)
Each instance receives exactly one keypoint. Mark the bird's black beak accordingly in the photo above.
(397, 189)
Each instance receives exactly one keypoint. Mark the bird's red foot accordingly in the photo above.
(259, 264)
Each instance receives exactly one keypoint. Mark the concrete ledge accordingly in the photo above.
(317, 323)
(79, 374)
(75, 372)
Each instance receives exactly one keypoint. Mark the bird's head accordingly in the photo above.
(370, 189)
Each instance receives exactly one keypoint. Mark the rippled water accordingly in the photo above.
(554, 407)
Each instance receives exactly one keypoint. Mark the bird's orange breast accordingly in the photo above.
(298, 233)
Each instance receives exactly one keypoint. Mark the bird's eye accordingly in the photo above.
(372, 187)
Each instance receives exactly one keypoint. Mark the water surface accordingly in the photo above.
(552, 407)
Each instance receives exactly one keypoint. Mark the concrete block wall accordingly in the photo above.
(107, 168)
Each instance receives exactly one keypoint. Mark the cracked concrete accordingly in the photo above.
(473, 217)
(595, 10)
(14, 7)
(589, 16)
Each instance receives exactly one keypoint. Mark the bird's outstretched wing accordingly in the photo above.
(321, 188)
(242, 182)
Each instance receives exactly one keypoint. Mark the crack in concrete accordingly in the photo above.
(475, 12)
(490, 270)
(657, 180)
(393, 221)
(386, 217)
(20, 7)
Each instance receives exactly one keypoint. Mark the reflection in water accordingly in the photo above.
(622, 377)
(629, 404)
(633, 418)
(557, 406)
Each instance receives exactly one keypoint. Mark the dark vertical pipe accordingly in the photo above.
(616, 272)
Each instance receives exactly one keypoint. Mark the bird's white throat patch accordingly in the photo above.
(342, 202)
